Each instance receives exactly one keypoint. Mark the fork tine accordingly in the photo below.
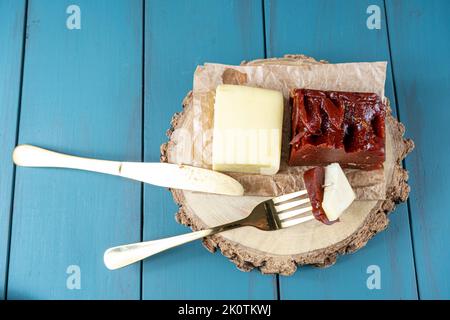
(293, 213)
(293, 222)
(289, 196)
(290, 205)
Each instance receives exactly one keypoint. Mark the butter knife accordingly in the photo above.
(159, 174)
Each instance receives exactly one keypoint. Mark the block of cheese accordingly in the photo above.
(247, 129)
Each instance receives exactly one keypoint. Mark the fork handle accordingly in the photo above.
(121, 256)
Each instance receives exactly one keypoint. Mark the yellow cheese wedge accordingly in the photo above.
(247, 129)
(338, 193)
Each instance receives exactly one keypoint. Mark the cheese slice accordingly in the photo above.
(338, 194)
(247, 129)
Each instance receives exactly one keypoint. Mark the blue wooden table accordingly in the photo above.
(103, 78)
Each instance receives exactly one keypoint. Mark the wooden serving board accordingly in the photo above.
(309, 243)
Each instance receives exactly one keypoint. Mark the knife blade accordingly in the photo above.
(182, 177)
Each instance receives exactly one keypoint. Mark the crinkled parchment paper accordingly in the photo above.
(357, 77)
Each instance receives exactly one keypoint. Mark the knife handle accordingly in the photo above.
(31, 156)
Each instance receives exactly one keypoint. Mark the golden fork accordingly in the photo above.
(273, 214)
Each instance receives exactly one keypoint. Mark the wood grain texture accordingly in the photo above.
(347, 279)
(199, 31)
(336, 31)
(420, 44)
(12, 16)
(81, 95)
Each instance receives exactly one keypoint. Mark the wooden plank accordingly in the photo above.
(336, 31)
(178, 36)
(420, 33)
(12, 15)
(81, 95)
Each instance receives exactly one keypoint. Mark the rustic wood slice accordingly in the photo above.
(309, 243)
